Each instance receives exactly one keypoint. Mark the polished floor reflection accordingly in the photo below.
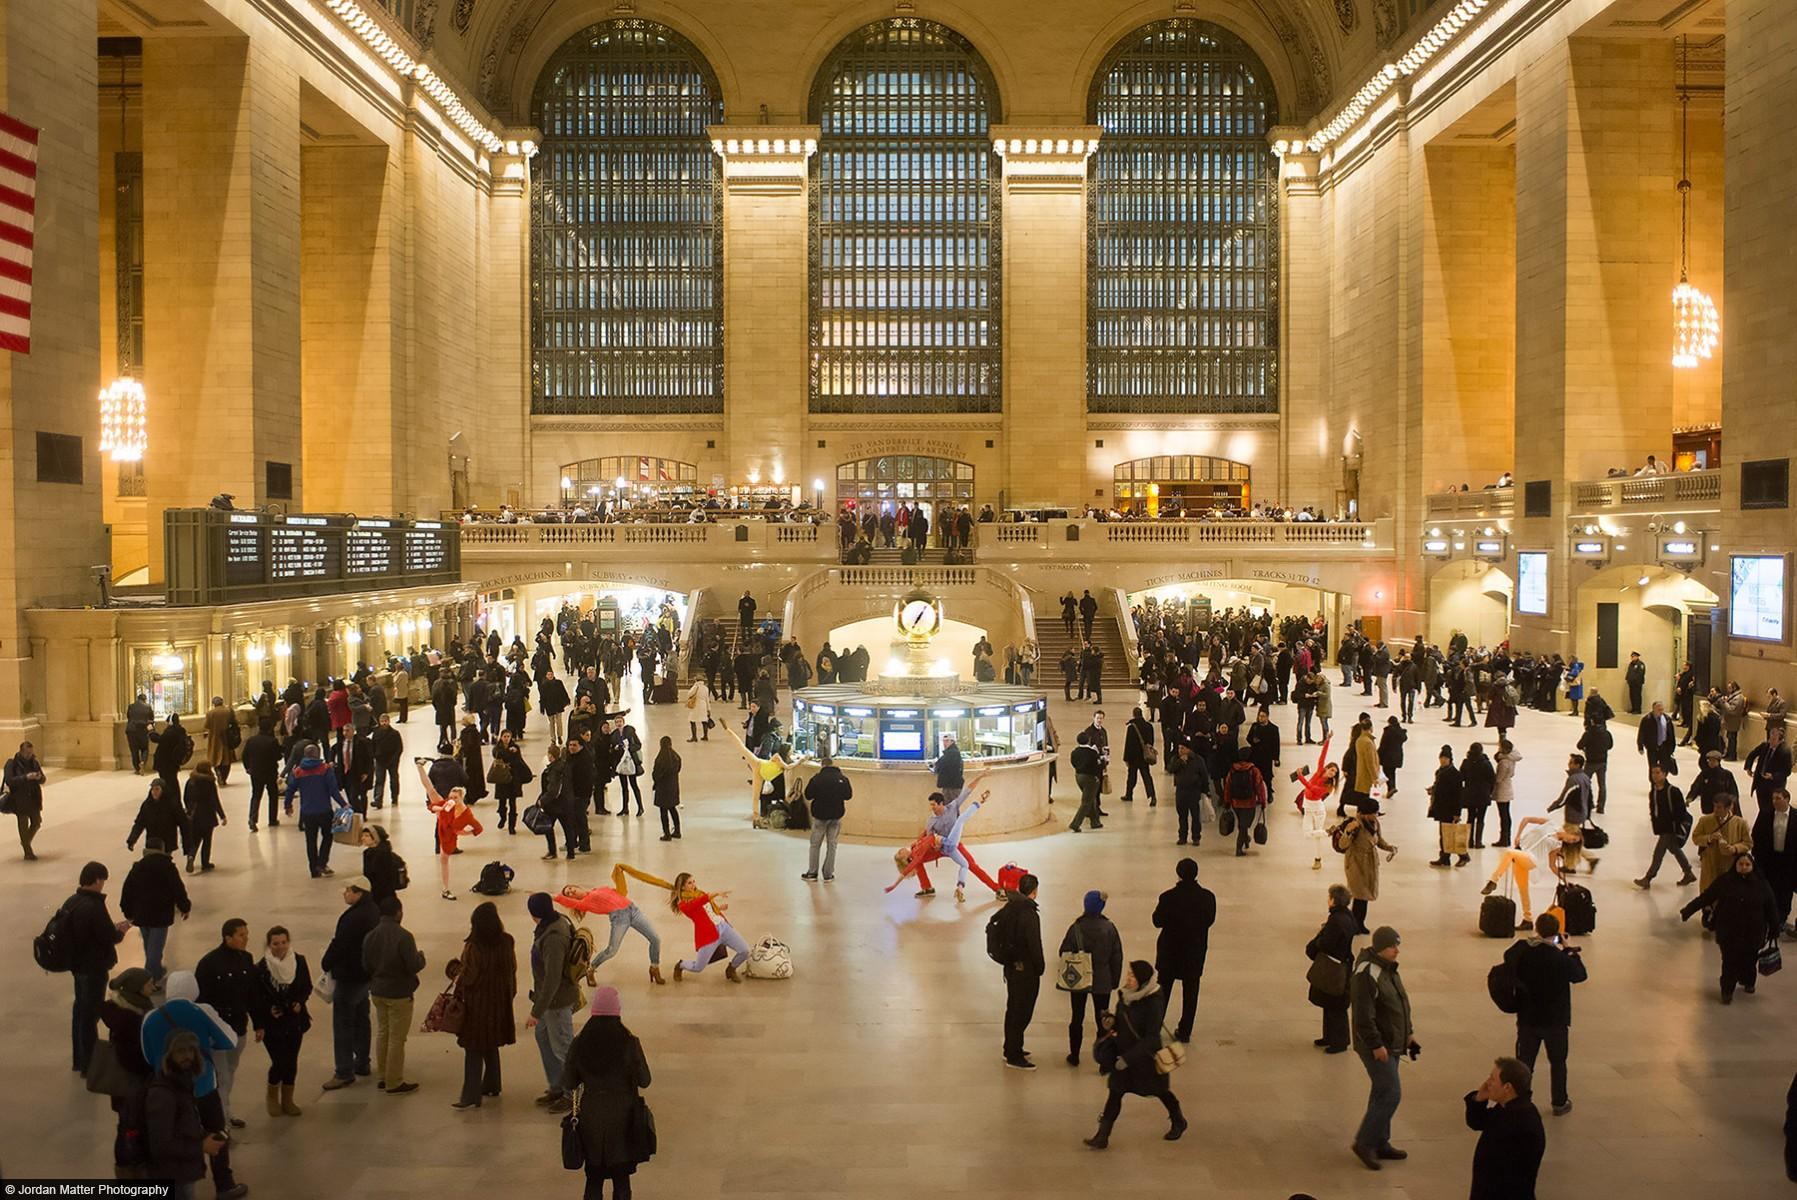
(875, 1071)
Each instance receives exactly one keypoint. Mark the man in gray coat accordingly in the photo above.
(1382, 1033)
(392, 959)
(552, 995)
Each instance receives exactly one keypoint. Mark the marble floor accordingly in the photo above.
(875, 1071)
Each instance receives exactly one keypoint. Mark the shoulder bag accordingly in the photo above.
(1075, 971)
(447, 1012)
(574, 1151)
(1328, 975)
(106, 1076)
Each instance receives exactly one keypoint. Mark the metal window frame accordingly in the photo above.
(1182, 294)
(643, 335)
(922, 289)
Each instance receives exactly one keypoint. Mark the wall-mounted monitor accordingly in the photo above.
(1756, 597)
(1531, 582)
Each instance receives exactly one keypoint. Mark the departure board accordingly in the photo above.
(216, 555)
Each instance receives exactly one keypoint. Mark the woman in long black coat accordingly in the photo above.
(1478, 782)
(160, 817)
(1743, 916)
(1126, 1053)
(1335, 939)
(204, 814)
(518, 773)
(486, 976)
(1391, 753)
(1446, 802)
(468, 752)
(607, 1066)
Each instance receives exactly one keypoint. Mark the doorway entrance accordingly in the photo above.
(884, 483)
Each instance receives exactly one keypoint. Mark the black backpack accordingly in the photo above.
(495, 879)
(998, 937)
(53, 949)
(402, 877)
(1241, 783)
(1505, 988)
(233, 734)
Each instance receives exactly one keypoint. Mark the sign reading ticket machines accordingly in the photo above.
(217, 556)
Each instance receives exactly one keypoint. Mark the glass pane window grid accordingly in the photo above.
(627, 227)
(1183, 226)
(905, 251)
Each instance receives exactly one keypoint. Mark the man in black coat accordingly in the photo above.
(387, 748)
(173, 748)
(1769, 766)
(1545, 973)
(1635, 675)
(351, 1031)
(1656, 738)
(1511, 1139)
(1022, 938)
(152, 893)
(227, 978)
(1088, 613)
(827, 793)
(1184, 915)
(1775, 851)
(93, 938)
(261, 756)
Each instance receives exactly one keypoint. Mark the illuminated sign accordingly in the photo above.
(1531, 582)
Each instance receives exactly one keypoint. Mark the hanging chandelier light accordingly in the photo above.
(123, 433)
(1696, 326)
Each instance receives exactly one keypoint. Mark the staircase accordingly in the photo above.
(894, 557)
(1052, 640)
(732, 632)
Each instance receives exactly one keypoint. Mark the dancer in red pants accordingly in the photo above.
(931, 846)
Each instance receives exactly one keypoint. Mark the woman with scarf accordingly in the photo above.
(1126, 1050)
(708, 934)
(1744, 917)
(486, 976)
(605, 1069)
(285, 981)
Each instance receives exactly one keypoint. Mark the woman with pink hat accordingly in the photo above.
(604, 1071)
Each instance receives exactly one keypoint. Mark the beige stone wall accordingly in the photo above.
(1761, 275)
(50, 532)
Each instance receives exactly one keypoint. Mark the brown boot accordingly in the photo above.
(730, 973)
(677, 971)
(274, 1100)
(287, 1104)
(655, 975)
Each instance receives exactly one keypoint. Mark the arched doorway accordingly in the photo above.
(889, 480)
(1179, 482)
(1472, 598)
(1647, 609)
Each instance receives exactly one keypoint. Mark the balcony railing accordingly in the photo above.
(1698, 490)
(1482, 505)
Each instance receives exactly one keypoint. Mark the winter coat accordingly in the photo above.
(1744, 912)
(381, 867)
(1381, 1005)
(343, 957)
(1504, 785)
(664, 781)
(316, 786)
(25, 795)
(1336, 939)
(1445, 799)
(487, 977)
(1391, 746)
(391, 960)
(608, 1097)
(160, 819)
(1099, 938)
(698, 702)
(173, 749)
(199, 797)
(1184, 914)
(468, 751)
(1360, 865)
(274, 1003)
(1366, 763)
(174, 1137)
(1136, 1035)
(153, 891)
(550, 987)
(1478, 782)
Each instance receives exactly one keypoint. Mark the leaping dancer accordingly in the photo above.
(941, 838)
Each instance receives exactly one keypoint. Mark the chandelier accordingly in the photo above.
(122, 428)
(1696, 326)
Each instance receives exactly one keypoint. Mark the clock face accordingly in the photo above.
(917, 617)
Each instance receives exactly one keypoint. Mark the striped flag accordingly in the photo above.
(18, 209)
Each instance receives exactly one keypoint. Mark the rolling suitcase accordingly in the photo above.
(1497, 917)
(1580, 909)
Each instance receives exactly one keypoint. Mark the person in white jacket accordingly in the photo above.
(1505, 791)
(698, 711)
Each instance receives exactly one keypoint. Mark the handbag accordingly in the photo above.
(326, 988)
(1328, 975)
(1225, 820)
(1150, 755)
(1593, 837)
(105, 1075)
(1771, 958)
(500, 774)
(642, 1131)
(1104, 783)
(1260, 826)
(574, 1151)
(1171, 1056)
(347, 832)
(1074, 974)
(447, 1012)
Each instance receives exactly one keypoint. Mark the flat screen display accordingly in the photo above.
(894, 742)
(1531, 582)
(1756, 597)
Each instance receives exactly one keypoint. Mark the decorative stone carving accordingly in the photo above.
(464, 13)
(1345, 15)
(424, 23)
(1385, 22)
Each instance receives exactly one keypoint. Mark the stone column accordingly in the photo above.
(1596, 258)
(221, 272)
(50, 521)
(1759, 332)
(1045, 310)
(505, 364)
(1310, 456)
(767, 323)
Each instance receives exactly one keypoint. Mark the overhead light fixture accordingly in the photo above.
(1678, 527)
(1641, 582)
(123, 428)
(1696, 326)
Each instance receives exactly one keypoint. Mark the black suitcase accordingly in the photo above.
(1580, 909)
(1497, 917)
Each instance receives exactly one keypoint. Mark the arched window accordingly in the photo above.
(905, 225)
(1183, 310)
(626, 246)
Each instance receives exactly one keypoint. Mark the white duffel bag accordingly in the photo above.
(770, 959)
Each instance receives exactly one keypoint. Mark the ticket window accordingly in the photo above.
(167, 679)
(902, 740)
(992, 737)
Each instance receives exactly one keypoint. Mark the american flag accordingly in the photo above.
(18, 209)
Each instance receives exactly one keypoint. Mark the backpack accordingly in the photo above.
(403, 877)
(1341, 837)
(1506, 990)
(495, 879)
(52, 948)
(579, 964)
(998, 937)
(233, 734)
(1240, 784)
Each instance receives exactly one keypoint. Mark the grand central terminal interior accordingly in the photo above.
(1078, 509)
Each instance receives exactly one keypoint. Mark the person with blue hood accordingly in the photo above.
(319, 799)
(1093, 934)
(181, 1010)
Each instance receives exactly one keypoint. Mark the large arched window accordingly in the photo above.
(1183, 310)
(626, 247)
(905, 225)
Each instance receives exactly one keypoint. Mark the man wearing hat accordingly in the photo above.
(552, 994)
(351, 1030)
(1382, 1034)
(1713, 780)
(1184, 914)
